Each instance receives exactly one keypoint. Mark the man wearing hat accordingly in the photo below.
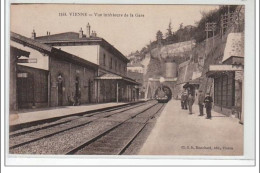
(201, 102)
(190, 102)
(184, 98)
(208, 105)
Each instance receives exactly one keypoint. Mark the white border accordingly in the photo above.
(154, 160)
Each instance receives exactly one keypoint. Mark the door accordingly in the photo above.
(77, 91)
(25, 90)
(60, 93)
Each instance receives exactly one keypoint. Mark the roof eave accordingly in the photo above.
(94, 40)
(30, 43)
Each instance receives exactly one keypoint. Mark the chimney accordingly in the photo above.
(33, 34)
(88, 30)
(48, 33)
(80, 33)
(93, 34)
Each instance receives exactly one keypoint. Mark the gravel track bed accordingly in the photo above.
(65, 141)
(109, 113)
(62, 120)
(159, 105)
(126, 115)
(43, 125)
(40, 133)
(137, 144)
(113, 142)
(118, 118)
(117, 139)
(74, 122)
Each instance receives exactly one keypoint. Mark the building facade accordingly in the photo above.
(111, 82)
(136, 71)
(42, 76)
(71, 79)
(32, 87)
(67, 69)
(228, 78)
(15, 54)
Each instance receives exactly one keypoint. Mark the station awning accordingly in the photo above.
(215, 70)
(165, 79)
(110, 76)
(18, 52)
(193, 83)
(30, 43)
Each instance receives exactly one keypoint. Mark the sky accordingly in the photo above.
(127, 33)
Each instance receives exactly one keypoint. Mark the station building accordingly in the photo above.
(135, 67)
(111, 82)
(136, 71)
(43, 76)
(62, 69)
(229, 77)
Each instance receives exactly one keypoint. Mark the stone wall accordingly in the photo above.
(69, 72)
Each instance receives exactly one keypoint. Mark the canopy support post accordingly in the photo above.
(117, 91)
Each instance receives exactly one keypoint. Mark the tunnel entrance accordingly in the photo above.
(165, 89)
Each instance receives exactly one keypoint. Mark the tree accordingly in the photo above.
(211, 16)
(159, 36)
(169, 30)
(181, 26)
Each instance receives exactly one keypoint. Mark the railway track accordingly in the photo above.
(89, 128)
(43, 125)
(117, 139)
(17, 139)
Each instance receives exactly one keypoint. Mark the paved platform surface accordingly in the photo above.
(25, 116)
(176, 132)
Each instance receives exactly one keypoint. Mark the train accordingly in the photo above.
(163, 94)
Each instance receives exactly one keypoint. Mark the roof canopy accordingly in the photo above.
(18, 52)
(110, 76)
(165, 79)
(220, 69)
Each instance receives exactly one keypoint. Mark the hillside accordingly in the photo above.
(194, 56)
(211, 52)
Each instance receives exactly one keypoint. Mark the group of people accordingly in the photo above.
(187, 101)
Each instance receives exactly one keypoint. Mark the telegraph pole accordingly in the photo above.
(210, 27)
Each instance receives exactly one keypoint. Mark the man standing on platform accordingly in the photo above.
(201, 102)
(184, 98)
(190, 102)
(208, 105)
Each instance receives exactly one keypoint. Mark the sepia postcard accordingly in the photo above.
(129, 81)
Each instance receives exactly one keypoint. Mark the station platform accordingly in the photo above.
(34, 115)
(176, 132)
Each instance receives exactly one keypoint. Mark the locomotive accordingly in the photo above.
(163, 94)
